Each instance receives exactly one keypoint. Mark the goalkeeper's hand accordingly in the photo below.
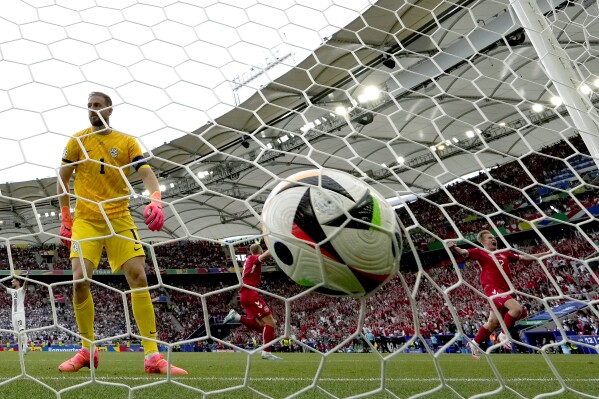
(66, 226)
(153, 213)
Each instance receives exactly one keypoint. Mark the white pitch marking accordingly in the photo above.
(304, 379)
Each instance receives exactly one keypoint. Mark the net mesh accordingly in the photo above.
(467, 115)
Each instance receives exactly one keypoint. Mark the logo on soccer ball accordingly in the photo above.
(64, 152)
(74, 246)
(114, 152)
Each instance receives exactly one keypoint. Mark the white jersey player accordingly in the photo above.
(17, 292)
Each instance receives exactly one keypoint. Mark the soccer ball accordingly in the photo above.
(329, 227)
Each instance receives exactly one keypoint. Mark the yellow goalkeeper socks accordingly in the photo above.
(143, 311)
(84, 313)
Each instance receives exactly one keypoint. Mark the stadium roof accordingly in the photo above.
(464, 82)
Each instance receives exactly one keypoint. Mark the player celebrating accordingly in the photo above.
(102, 158)
(17, 293)
(259, 317)
(494, 283)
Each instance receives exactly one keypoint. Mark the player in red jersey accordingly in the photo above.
(494, 284)
(259, 317)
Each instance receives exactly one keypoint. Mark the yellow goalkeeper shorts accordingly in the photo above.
(121, 247)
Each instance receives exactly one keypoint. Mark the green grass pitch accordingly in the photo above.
(237, 375)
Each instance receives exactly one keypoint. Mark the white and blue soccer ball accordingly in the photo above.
(327, 226)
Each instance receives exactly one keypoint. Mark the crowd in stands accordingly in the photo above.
(508, 188)
(324, 322)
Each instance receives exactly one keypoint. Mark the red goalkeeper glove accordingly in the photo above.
(153, 213)
(66, 225)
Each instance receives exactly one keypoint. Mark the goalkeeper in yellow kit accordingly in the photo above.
(102, 159)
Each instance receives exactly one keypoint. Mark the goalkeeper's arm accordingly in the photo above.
(153, 212)
(62, 189)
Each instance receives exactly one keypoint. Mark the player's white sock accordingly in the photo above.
(151, 355)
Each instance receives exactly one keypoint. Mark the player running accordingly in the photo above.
(494, 283)
(259, 317)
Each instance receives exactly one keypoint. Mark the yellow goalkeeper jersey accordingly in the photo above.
(102, 164)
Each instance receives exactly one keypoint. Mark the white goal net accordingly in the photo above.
(467, 115)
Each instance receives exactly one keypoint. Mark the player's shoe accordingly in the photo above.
(505, 341)
(270, 356)
(157, 365)
(231, 316)
(81, 359)
(474, 350)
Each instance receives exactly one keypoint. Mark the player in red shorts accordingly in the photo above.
(494, 283)
(259, 317)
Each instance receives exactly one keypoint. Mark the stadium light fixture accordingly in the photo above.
(585, 89)
(455, 140)
(538, 107)
(372, 92)
(46, 214)
(341, 111)
(400, 160)
(502, 124)
(596, 83)
(366, 119)
(162, 187)
(389, 61)
(557, 101)
(172, 185)
(469, 134)
(441, 147)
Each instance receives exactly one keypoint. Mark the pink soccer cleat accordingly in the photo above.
(473, 350)
(81, 359)
(505, 341)
(157, 365)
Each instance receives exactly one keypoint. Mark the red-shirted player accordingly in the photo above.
(259, 317)
(494, 283)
